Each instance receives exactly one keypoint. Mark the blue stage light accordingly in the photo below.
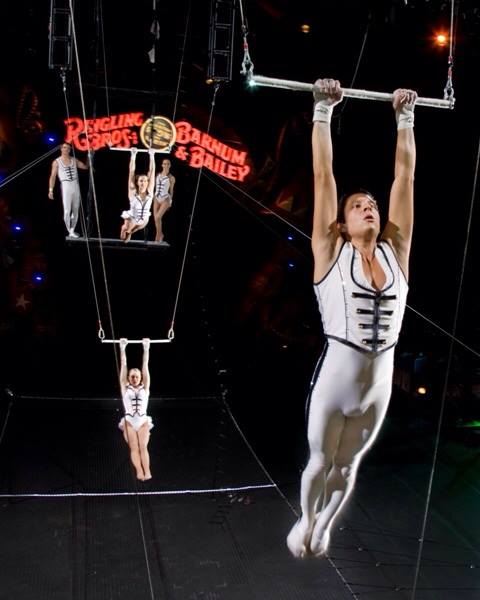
(50, 138)
(290, 237)
(17, 227)
(38, 277)
(291, 264)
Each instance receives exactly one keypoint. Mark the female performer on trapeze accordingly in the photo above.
(164, 185)
(360, 280)
(136, 424)
(140, 194)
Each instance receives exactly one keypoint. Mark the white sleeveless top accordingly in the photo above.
(135, 401)
(69, 172)
(162, 186)
(352, 310)
(140, 210)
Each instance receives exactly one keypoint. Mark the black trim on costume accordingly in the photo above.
(331, 268)
(371, 288)
(360, 348)
(313, 381)
(383, 241)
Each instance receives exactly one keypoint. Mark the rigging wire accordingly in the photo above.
(107, 295)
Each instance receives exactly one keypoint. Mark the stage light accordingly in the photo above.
(209, 81)
(291, 265)
(251, 83)
(290, 238)
(50, 138)
(17, 227)
(441, 39)
(421, 390)
(305, 28)
(38, 277)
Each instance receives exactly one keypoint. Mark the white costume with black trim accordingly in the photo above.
(362, 326)
(351, 386)
(135, 404)
(68, 176)
(139, 211)
(162, 188)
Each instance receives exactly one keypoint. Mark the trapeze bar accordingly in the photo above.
(167, 341)
(156, 150)
(117, 243)
(298, 86)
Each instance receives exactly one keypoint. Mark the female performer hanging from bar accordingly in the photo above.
(140, 194)
(136, 424)
(360, 280)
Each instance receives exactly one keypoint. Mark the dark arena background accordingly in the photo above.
(231, 293)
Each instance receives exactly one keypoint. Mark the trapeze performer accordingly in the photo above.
(136, 424)
(164, 185)
(140, 195)
(360, 280)
(66, 168)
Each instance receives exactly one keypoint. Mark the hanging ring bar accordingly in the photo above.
(167, 341)
(157, 151)
(298, 86)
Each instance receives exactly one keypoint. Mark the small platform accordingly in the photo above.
(117, 243)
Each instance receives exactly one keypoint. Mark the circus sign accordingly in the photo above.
(192, 145)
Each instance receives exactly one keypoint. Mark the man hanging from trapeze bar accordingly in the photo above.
(140, 195)
(65, 167)
(360, 280)
(136, 424)
(164, 185)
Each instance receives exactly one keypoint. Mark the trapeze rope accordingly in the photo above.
(82, 212)
(139, 510)
(182, 269)
(94, 193)
(180, 70)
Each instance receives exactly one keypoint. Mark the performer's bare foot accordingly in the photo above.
(298, 540)
(147, 476)
(320, 541)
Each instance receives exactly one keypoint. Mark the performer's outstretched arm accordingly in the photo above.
(324, 231)
(123, 365)
(398, 231)
(145, 370)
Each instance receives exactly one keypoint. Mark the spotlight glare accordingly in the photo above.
(441, 39)
(50, 138)
(421, 390)
(17, 227)
(38, 277)
(305, 28)
(289, 238)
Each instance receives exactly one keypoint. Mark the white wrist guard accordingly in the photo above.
(405, 117)
(322, 112)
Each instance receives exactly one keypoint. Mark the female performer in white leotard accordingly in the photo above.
(136, 424)
(361, 287)
(164, 184)
(140, 194)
